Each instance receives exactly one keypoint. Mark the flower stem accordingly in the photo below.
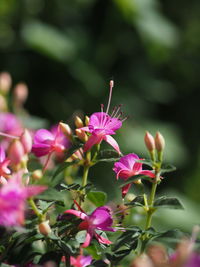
(150, 206)
(85, 175)
(35, 209)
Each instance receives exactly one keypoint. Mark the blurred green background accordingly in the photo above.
(68, 50)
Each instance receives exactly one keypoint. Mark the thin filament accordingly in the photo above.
(110, 95)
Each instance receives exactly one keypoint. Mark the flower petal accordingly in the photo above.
(148, 173)
(41, 149)
(125, 190)
(102, 239)
(87, 240)
(2, 154)
(93, 140)
(110, 140)
(77, 213)
(43, 135)
(33, 190)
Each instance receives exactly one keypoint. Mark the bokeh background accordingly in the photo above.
(67, 51)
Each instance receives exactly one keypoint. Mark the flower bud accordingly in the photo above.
(81, 135)
(87, 120)
(37, 175)
(78, 122)
(44, 228)
(26, 141)
(65, 129)
(16, 152)
(159, 142)
(149, 141)
(20, 93)
(5, 82)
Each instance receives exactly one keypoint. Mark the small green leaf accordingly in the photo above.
(137, 201)
(98, 198)
(80, 237)
(43, 205)
(62, 167)
(167, 168)
(51, 194)
(108, 155)
(168, 202)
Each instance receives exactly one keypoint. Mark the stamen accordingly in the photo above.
(117, 111)
(9, 135)
(101, 120)
(113, 112)
(125, 118)
(110, 95)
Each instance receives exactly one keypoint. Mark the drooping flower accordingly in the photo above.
(127, 167)
(102, 126)
(99, 219)
(13, 197)
(46, 142)
(4, 170)
(80, 261)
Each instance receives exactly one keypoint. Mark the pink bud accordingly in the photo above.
(16, 152)
(26, 141)
(5, 82)
(149, 141)
(65, 129)
(44, 228)
(20, 93)
(159, 142)
(78, 122)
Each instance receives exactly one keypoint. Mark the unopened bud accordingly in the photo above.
(65, 129)
(37, 175)
(16, 152)
(78, 122)
(149, 141)
(20, 93)
(26, 141)
(3, 103)
(87, 120)
(5, 82)
(159, 142)
(81, 135)
(44, 228)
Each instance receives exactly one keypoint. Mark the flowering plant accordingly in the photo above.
(50, 216)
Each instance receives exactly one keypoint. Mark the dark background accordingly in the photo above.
(67, 51)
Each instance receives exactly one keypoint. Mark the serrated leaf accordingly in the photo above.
(168, 202)
(43, 205)
(98, 198)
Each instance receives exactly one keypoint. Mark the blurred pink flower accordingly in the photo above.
(127, 167)
(100, 219)
(13, 196)
(4, 162)
(80, 261)
(10, 124)
(46, 142)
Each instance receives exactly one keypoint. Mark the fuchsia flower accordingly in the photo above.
(46, 142)
(100, 219)
(10, 124)
(81, 261)
(127, 167)
(4, 162)
(102, 126)
(12, 200)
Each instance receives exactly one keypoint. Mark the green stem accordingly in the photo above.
(85, 175)
(150, 206)
(35, 209)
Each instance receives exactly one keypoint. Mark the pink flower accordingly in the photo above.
(4, 162)
(100, 219)
(102, 126)
(12, 200)
(81, 261)
(9, 124)
(127, 167)
(46, 142)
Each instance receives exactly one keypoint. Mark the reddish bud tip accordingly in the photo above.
(26, 141)
(159, 142)
(149, 141)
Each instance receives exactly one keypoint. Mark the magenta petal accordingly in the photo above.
(113, 124)
(102, 239)
(41, 149)
(148, 173)
(110, 140)
(42, 136)
(129, 160)
(77, 213)
(85, 260)
(125, 190)
(2, 154)
(33, 190)
(96, 119)
(86, 129)
(101, 219)
(124, 174)
(93, 140)
(87, 240)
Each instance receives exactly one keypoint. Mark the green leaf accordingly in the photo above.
(168, 202)
(137, 201)
(51, 194)
(44, 206)
(80, 236)
(62, 167)
(108, 155)
(167, 168)
(98, 198)
(71, 186)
